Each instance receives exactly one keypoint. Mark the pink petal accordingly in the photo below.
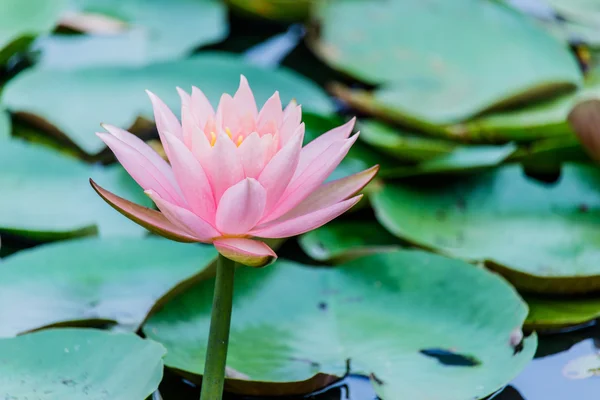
(241, 207)
(226, 116)
(278, 172)
(244, 99)
(187, 120)
(138, 144)
(271, 112)
(251, 253)
(304, 223)
(292, 118)
(332, 192)
(253, 154)
(303, 185)
(201, 107)
(184, 219)
(141, 169)
(150, 219)
(312, 150)
(223, 166)
(192, 180)
(288, 109)
(165, 119)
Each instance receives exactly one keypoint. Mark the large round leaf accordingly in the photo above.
(481, 54)
(73, 364)
(344, 240)
(22, 20)
(421, 325)
(542, 237)
(167, 29)
(114, 280)
(48, 196)
(75, 102)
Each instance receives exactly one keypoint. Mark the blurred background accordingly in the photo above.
(484, 116)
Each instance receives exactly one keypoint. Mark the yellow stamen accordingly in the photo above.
(239, 141)
(213, 138)
(228, 132)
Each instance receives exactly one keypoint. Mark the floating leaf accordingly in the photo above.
(71, 364)
(404, 145)
(115, 280)
(451, 73)
(543, 238)
(22, 20)
(75, 102)
(168, 29)
(294, 327)
(556, 312)
(461, 159)
(47, 196)
(344, 240)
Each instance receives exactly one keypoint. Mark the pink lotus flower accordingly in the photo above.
(235, 174)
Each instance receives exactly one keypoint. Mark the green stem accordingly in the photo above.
(218, 339)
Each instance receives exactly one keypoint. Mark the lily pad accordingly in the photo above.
(75, 102)
(461, 159)
(108, 280)
(558, 312)
(72, 364)
(169, 28)
(294, 328)
(547, 119)
(345, 240)
(404, 145)
(47, 196)
(22, 20)
(542, 238)
(452, 73)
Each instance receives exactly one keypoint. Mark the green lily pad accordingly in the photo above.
(450, 74)
(52, 96)
(294, 328)
(542, 238)
(461, 159)
(72, 364)
(5, 125)
(48, 196)
(278, 10)
(403, 145)
(109, 280)
(22, 20)
(83, 51)
(543, 120)
(340, 241)
(169, 29)
(582, 11)
(556, 312)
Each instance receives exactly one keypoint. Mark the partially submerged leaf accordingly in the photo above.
(278, 10)
(116, 280)
(73, 103)
(541, 237)
(71, 364)
(294, 329)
